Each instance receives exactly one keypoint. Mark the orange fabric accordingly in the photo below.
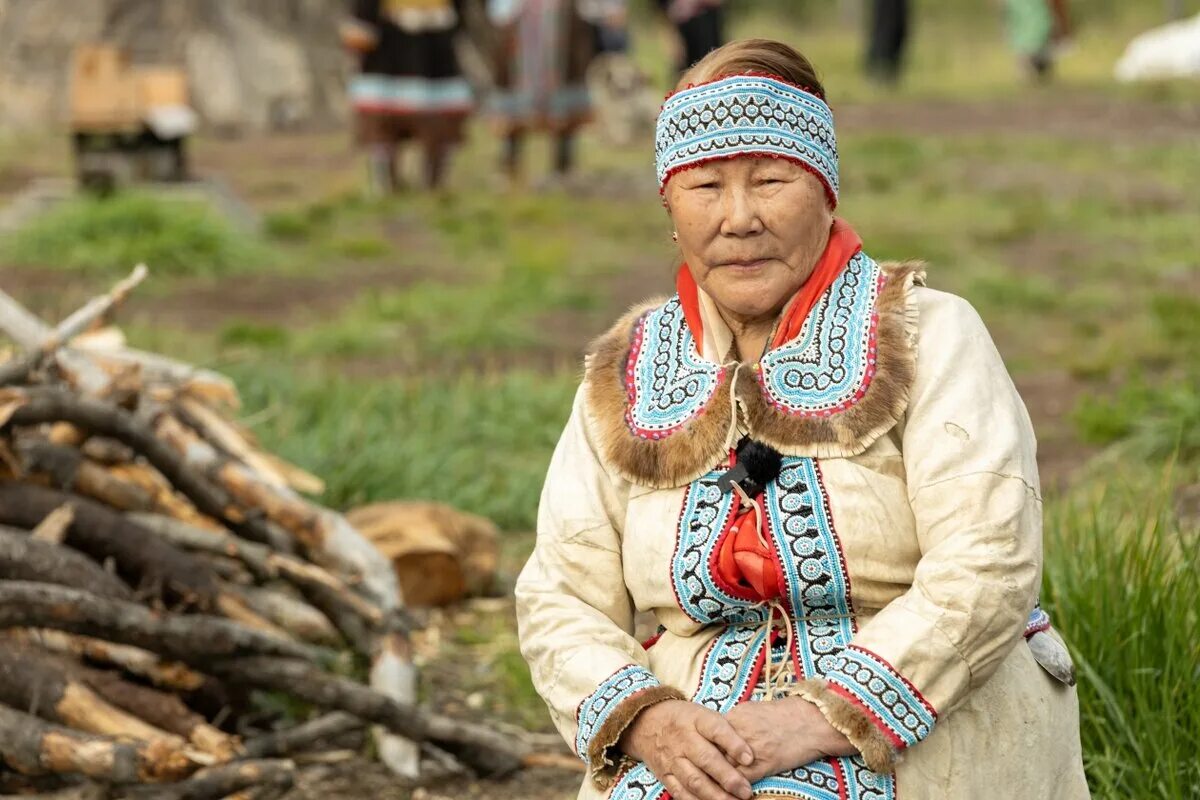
(742, 560)
(843, 245)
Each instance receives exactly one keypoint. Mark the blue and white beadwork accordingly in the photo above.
(828, 367)
(870, 682)
(667, 381)
(706, 512)
(599, 705)
(746, 115)
(817, 586)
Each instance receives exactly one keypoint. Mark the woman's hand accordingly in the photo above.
(691, 749)
(785, 734)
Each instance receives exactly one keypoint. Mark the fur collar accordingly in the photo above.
(660, 414)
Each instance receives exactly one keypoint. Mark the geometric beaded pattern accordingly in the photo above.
(666, 380)
(871, 683)
(817, 594)
(828, 367)
(705, 513)
(597, 706)
(744, 115)
(818, 588)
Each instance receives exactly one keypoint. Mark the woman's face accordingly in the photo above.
(751, 230)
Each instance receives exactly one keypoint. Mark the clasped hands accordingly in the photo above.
(699, 754)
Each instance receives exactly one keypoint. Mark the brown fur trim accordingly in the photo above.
(691, 451)
(852, 431)
(600, 766)
(852, 722)
(673, 461)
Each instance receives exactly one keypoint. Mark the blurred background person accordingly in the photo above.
(545, 47)
(701, 28)
(409, 86)
(887, 35)
(1037, 29)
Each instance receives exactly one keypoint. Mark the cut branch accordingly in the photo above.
(23, 558)
(194, 639)
(136, 661)
(35, 747)
(218, 782)
(40, 682)
(52, 405)
(302, 737)
(142, 558)
(486, 752)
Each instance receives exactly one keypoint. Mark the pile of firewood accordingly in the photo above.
(160, 575)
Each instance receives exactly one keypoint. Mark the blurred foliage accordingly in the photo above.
(106, 236)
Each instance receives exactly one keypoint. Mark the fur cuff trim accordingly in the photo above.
(853, 723)
(601, 767)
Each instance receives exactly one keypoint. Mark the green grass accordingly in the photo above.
(479, 442)
(1121, 585)
(103, 237)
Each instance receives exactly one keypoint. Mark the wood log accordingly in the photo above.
(161, 709)
(54, 526)
(39, 681)
(486, 752)
(85, 790)
(107, 452)
(69, 470)
(328, 538)
(233, 606)
(193, 639)
(211, 387)
(219, 433)
(354, 616)
(146, 665)
(290, 613)
(305, 736)
(40, 340)
(49, 404)
(166, 500)
(217, 782)
(35, 747)
(141, 558)
(24, 558)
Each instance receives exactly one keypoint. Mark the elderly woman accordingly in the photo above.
(817, 475)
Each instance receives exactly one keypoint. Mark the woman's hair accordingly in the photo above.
(762, 56)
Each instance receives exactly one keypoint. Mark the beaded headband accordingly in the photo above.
(740, 115)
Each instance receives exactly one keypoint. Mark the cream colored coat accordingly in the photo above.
(906, 524)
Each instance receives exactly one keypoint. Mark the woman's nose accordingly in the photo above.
(741, 216)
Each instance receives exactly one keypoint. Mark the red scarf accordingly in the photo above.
(741, 560)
